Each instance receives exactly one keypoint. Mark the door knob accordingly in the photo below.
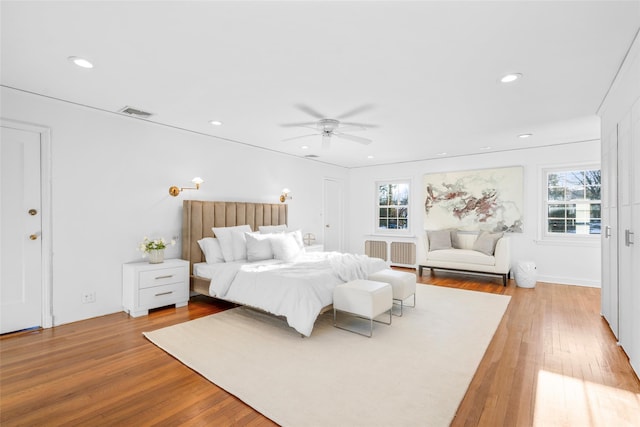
(328, 226)
(33, 237)
(32, 212)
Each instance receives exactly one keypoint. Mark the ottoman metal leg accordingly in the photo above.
(335, 322)
(401, 303)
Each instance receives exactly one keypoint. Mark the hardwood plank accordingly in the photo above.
(552, 361)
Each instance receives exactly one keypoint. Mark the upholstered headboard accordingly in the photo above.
(199, 216)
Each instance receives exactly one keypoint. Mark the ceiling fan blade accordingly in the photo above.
(357, 110)
(360, 125)
(354, 138)
(310, 111)
(301, 124)
(351, 129)
(301, 136)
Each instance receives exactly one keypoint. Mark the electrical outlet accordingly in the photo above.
(88, 297)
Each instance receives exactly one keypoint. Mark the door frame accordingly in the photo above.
(45, 210)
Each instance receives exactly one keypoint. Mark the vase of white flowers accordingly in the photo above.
(155, 248)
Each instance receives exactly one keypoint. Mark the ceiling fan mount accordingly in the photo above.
(328, 125)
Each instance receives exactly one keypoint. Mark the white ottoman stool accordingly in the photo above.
(362, 298)
(402, 283)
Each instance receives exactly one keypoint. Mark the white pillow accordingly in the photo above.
(285, 246)
(297, 234)
(232, 241)
(211, 249)
(258, 246)
(267, 229)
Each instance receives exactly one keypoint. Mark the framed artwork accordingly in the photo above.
(485, 199)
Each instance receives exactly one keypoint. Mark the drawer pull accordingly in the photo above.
(164, 277)
(164, 293)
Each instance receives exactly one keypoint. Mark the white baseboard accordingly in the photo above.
(570, 281)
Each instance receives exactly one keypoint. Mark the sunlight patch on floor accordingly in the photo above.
(562, 400)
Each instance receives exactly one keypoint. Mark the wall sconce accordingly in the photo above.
(285, 195)
(174, 191)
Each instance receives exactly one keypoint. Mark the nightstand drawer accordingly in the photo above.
(163, 276)
(159, 296)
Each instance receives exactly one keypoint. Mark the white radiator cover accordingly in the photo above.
(400, 253)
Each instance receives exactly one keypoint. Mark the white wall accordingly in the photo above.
(111, 176)
(556, 262)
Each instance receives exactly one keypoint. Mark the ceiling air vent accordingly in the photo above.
(311, 156)
(135, 112)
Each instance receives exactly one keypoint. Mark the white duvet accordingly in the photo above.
(297, 290)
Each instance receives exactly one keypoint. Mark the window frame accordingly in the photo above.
(392, 231)
(543, 223)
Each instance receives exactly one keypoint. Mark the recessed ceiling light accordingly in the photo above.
(486, 148)
(305, 147)
(525, 135)
(80, 62)
(508, 78)
(369, 156)
(444, 153)
(215, 122)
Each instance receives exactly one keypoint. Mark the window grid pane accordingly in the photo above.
(573, 202)
(393, 202)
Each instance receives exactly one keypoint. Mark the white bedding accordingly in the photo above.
(296, 289)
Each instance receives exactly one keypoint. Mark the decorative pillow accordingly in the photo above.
(285, 246)
(455, 241)
(258, 246)
(439, 239)
(267, 229)
(486, 242)
(232, 241)
(211, 249)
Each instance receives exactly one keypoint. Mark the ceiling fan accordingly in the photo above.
(327, 127)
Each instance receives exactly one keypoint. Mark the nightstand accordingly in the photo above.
(146, 285)
(314, 248)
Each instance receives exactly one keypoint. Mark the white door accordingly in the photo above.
(332, 215)
(20, 230)
(629, 253)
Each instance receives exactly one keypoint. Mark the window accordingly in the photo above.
(573, 202)
(392, 206)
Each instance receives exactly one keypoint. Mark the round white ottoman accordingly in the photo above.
(362, 298)
(402, 283)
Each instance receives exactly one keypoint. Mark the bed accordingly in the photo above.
(287, 282)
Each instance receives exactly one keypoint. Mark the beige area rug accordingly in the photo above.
(412, 373)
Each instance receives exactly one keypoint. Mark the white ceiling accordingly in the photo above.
(425, 72)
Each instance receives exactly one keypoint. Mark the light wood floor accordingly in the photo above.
(553, 361)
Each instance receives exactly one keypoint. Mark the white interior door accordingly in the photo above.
(20, 230)
(332, 214)
(634, 246)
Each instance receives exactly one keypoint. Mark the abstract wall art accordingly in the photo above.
(485, 199)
